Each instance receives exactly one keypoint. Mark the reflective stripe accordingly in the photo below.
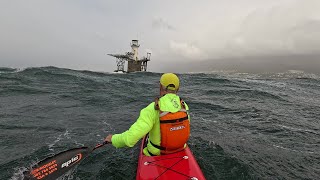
(163, 113)
(150, 153)
(156, 146)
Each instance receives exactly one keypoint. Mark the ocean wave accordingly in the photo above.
(66, 134)
(7, 70)
(289, 149)
(4, 70)
(220, 164)
(299, 129)
(196, 104)
(258, 94)
(34, 128)
(246, 93)
(22, 89)
(244, 125)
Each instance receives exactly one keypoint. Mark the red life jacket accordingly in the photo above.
(174, 128)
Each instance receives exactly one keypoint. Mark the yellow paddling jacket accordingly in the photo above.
(148, 122)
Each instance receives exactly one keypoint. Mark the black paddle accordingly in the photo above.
(57, 165)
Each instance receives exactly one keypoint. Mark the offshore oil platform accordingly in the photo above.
(134, 63)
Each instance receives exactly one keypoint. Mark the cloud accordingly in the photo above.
(186, 50)
(159, 23)
(289, 28)
(100, 35)
(305, 37)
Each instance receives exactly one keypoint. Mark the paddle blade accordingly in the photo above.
(55, 166)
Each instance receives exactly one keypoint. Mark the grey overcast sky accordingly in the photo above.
(78, 34)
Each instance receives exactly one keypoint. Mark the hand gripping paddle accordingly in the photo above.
(57, 165)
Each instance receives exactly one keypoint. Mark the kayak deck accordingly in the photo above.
(180, 165)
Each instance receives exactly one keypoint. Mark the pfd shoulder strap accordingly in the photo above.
(156, 104)
(183, 105)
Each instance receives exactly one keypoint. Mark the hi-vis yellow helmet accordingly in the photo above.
(170, 81)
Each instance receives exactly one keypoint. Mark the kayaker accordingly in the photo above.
(166, 121)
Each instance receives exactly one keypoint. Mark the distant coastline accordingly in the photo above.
(254, 64)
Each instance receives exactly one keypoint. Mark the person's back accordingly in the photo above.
(172, 126)
(166, 120)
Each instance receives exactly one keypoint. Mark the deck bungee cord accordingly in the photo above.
(170, 168)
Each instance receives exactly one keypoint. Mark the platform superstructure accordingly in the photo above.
(134, 63)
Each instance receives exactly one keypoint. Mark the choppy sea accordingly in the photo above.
(244, 125)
